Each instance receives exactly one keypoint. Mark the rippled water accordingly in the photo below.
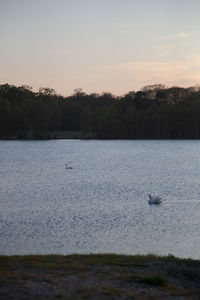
(99, 202)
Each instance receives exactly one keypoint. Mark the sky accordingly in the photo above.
(100, 46)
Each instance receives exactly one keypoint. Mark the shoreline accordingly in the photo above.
(26, 135)
(98, 276)
(96, 139)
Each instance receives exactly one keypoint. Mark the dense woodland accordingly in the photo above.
(154, 112)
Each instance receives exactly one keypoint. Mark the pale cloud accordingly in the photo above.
(183, 34)
(162, 50)
(180, 35)
(181, 72)
(165, 53)
(148, 67)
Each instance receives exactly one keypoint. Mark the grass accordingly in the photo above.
(111, 291)
(98, 276)
(149, 279)
(55, 261)
(155, 280)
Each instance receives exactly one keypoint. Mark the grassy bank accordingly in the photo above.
(107, 276)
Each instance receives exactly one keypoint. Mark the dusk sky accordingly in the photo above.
(115, 46)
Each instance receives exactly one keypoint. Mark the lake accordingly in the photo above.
(91, 196)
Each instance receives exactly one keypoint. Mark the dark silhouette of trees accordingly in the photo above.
(154, 112)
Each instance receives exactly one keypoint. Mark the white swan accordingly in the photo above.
(68, 168)
(154, 200)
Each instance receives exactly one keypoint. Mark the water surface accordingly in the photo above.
(99, 202)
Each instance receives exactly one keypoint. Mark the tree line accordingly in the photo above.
(155, 112)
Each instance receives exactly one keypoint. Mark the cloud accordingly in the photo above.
(183, 35)
(180, 35)
(161, 50)
(148, 67)
(180, 72)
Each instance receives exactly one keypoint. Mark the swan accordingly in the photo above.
(154, 200)
(68, 168)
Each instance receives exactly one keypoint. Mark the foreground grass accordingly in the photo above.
(106, 276)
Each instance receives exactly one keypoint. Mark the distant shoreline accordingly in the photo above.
(98, 276)
(40, 135)
(155, 112)
(56, 135)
